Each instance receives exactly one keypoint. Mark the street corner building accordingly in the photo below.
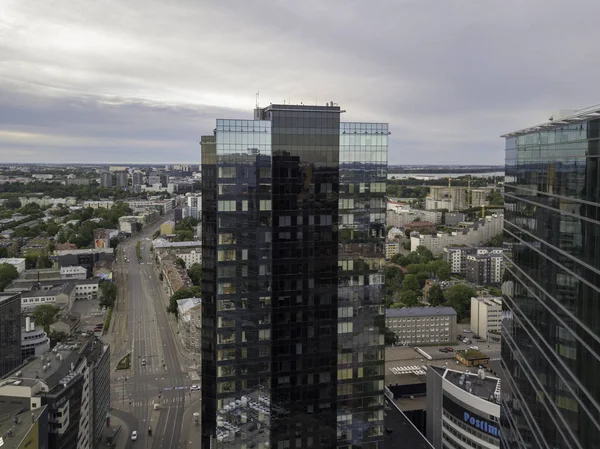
(293, 230)
(551, 317)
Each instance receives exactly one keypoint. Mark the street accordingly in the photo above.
(142, 329)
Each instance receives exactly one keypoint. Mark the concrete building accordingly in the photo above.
(74, 272)
(122, 179)
(10, 332)
(137, 178)
(189, 323)
(486, 315)
(194, 205)
(456, 256)
(476, 233)
(422, 325)
(79, 182)
(106, 179)
(103, 204)
(61, 296)
(168, 227)
(18, 263)
(129, 224)
(401, 217)
(484, 269)
(463, 409)
(83, 257)
(34, 342)
(175, 278)
(23, 429)
(163, 206)
(391, 249)
(454, 218)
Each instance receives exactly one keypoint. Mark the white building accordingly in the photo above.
(422, 325)
(391, 249)
(73, 272)
(164, 206)
(463, 409)
(456, 256)
(400, 217)
(486, 313)
(34, 342)
(477, 233)
(18, 263)
(104, 204)
(190, 257)
(194, 205)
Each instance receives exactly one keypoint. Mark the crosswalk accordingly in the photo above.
(165, 402)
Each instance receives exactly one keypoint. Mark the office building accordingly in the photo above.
(463, 409)
(484, 269)
(293, 228)
(422, 325)
(485, 315)
(551, 327)
(85, 258)
(194, 205)
(106, 179)
(34, 342)
(10, 332)
(23, 429)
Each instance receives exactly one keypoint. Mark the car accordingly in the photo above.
(449, 349)
(443, 350)
(143, 362)
(476, 348)
(195, 388)
(476, 337)
(134, 435)
(467, 331)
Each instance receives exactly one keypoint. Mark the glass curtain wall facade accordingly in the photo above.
(551, 325)
(10, 332)
(284, 364)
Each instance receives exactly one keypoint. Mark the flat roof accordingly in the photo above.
(27, 418)
(419, 311)
(399, 428)
(8, 296)
(487, 388)
(65, 252)
(581, 115)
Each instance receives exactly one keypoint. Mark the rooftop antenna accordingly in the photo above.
(257, 95)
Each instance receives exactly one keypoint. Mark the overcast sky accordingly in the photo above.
(141, 81)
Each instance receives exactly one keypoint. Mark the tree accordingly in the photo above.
(426, 254)
(409, 298)
(192, 292)
(114, 242)
(179, 261)
(43, 261)
(45, 315)
(459, 297)
(8, 273)
(435, 295)
(389, 336)
(411, 283)
(12, 203)
(195, 274)
(3, 252)
(108, 294)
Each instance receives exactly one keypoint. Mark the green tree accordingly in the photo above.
(3, 252)
(426, 254)
(195, 274)
(459, 297)
(43, 261)
(411, 282)
(108, 294)
(409, 298)
(435, 295)
(8, 273)
(390, 337)
(12, 203)
(44, 315)
(193, 292)
(179, 261)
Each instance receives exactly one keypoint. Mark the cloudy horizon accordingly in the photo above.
(117, 82)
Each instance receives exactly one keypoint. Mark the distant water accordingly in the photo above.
(426, 176)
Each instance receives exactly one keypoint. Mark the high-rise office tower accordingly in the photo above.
(10, 332)
(551, 325)
(293, 224)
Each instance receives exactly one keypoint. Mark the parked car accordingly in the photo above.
(195, 388)
(449, 349)
(459, 337)
(476, 337)
(134, 435)
(474, 347)
(443, 350)
(143, 362)
(467, 331)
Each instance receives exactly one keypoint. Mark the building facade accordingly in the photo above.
(18, 263)
(10, 332)
(484, 269)
(551, 326)
(422, 325)
(293, 224)
(456, 257)
(34, 342)
(486, 315)
(463, 410)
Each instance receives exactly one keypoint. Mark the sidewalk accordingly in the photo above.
(118, 427)
(192, 438)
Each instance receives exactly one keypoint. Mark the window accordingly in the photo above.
(244, 254)
(226, 206)
(265, 204)
(226, 172)
(244, 205)
(226, 255)
(344, 374)
(344, 328)
(227, 239)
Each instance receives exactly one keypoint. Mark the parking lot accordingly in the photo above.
(89, 313)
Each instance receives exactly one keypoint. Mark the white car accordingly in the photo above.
(466, 331)
(134, 435)
(475, 347)
(195, 388)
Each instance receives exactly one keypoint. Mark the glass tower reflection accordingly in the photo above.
(293, 229)
(551, 328)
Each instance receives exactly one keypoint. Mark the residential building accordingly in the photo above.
(401, 217)
(62, 295)
(34, 342)
(75, 272)
(391, 249)
(422, 325)
(463, 409)
(175, 278)
(78, 181)
(484, 269)
(456, 257)
(10, 332)
(292, 318)
(22, 429)
(486, 314)
(103, 204)
(168, 227)
(477, 233)
(137, 178)
(106, 179)
(154, 179)
(83, 257)
(550, 329)
(194, 205)
(189, 323)
(18, 263)
(122, 179)
(163, 206)
(454, 218)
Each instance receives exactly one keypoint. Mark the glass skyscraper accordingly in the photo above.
(10, 332)
(293, 225)
(551, 325)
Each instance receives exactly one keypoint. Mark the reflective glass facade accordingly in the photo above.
(10, 332)
(293, 227)
(551, 325)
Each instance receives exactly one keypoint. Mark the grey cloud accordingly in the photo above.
(449, 77)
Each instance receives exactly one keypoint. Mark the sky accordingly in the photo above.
(103, 81)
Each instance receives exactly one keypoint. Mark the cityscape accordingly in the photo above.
(190, 264)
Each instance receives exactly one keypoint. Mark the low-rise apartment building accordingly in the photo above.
(485, 269)
(391, 249)
(456, 256)
(189, 323)
(18, 263)
(103, 204)
(486, 315)
(422, 325)
(73, 272)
